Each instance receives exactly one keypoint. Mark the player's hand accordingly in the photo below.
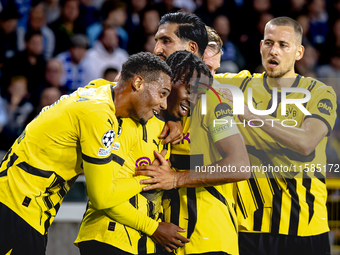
(168, 237)
(163, 177)
(156, 162)
(228, 95)
(172, 132)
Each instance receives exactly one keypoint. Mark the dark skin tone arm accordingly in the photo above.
(234, 153)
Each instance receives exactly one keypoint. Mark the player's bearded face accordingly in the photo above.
(279, 51)
(167, 41)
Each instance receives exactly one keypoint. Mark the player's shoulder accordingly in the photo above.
(98, 83)
(317, 87)
(241, 74)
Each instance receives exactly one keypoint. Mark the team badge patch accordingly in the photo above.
(116, 146)
(325, 106)
(108, 138)
(104, 152)
(223, 110)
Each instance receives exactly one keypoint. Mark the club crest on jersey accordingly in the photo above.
(291, 112)
(223, 110)
(325, 106)
(108, 138)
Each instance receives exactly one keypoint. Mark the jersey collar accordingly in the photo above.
(269, 90)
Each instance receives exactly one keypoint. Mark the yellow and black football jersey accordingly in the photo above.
(97, 225)
(46, 159)
(286, 193)
(207, 213)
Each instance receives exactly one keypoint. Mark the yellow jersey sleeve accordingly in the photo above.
(323, 106)
(128, 215)
(218, 119)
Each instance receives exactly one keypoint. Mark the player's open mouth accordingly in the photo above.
(155, 112)
(183, 109)
(272, 63)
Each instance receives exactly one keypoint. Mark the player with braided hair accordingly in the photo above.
(190, 69)
(202, 204)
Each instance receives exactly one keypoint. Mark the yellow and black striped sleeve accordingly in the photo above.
(323, 105)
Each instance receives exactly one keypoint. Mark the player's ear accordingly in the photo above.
(261, 43)
(192, 47)
(299, 52)
(138, 83)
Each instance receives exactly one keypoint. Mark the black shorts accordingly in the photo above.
(94, 247)
(268, 244)
(17, 235)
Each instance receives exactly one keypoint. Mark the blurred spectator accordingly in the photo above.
(105, 53)
(149, 44)
(166, 6)
(88, 14)
(23, 7)
(52, 10)
(29, 63)
(53, 75)
(113, 14)
(149, 25)
(66, 25)
(332, 42)
(8, 33)
(110, 74)
(253, 10)
(187, 6)
(230, 51)
(17, 108)
(318, 22)
(209, 10)
(297, 8)
(53, 78)
(3, 114)
(250, 44)
(304, 22)
(48, 96)
(135, 7)
(332, 72)
(333, 12)
(73, 64)
(307, 65)
(37, 21)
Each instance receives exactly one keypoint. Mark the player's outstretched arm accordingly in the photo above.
(234, 153)
(305, 138)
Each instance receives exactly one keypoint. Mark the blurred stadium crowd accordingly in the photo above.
(51, 47)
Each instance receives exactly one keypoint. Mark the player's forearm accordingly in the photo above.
(104, 191)
(297, 139)
(235, 169)
(128, 215)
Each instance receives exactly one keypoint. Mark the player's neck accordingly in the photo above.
(287, 80)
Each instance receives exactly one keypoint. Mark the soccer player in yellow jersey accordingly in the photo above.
(282, 208)
(73, 135)
(207, 213)
(123, 229)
